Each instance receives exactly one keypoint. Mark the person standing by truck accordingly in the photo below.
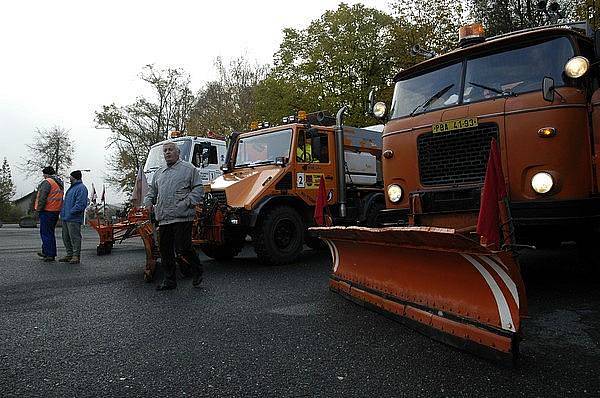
(76, 201)
(175, 190)
(48, 204)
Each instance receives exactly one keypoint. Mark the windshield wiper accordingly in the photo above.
(252, 164)
(434, 97)
(151, 169)
(494, 90)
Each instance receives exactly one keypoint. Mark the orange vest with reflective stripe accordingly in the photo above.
(54, 200)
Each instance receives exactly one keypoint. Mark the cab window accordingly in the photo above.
(312, 147)
(208, 154)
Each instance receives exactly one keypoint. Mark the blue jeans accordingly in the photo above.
(48, 220)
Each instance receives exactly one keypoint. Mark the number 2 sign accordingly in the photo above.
(300, 180)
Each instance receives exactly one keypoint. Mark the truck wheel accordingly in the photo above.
(221, 252)
(372, 213)
(279, 238)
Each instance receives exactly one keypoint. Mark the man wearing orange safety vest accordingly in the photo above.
(48, 204)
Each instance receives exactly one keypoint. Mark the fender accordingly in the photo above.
(371, 199)
(272, 200)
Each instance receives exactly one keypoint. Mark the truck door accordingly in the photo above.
(205, 158)
(314, 151)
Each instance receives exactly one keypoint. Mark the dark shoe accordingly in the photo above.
(48, 259)
(40, 254)
(64, 259)
(197, 280)
(165, 286)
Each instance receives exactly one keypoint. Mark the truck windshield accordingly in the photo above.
(516, 71)
(418, 94)
(156, 158)
(509, 72)
(263, 148)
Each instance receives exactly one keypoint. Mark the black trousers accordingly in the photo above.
(177, 238)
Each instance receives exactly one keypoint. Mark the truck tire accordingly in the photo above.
(372, 212)
(279, 238)
(221, 252)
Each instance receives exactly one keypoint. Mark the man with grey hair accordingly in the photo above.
(173, 194)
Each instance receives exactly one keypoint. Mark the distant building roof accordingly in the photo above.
(25, 198)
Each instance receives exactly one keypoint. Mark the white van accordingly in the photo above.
(206, 154)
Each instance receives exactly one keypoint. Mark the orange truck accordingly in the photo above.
(270, 185)
(535, 92)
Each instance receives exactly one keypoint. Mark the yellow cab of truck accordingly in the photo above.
(536, 93)
(270, 185)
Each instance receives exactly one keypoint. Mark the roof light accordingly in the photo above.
(285, 120)
(301, 116)
(471, 33)
(175, 134)
(253, 125)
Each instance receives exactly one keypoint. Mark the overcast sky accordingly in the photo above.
(62, 60)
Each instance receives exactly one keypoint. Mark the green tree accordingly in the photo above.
(51, 147)
(334, 61)
(432, 25)
(136, 127)
(7, 190)
(504, 16)
(228, 103)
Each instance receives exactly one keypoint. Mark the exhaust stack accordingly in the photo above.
(341, 165)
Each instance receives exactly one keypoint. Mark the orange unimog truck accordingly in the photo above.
(270, 185)
(535, 92)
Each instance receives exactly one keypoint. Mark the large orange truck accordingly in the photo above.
(534, 92)
(270, 186)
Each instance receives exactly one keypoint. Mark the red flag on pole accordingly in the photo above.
(321, 203)
(494, 191)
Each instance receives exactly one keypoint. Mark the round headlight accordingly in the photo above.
(577, 66)
(394, 193)
(379, 109)
(542, 182)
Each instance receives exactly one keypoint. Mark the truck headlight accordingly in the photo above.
(577, 66)
(542, 182)
(394, 193)
(379, 109)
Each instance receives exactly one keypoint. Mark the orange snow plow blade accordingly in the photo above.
(441, 282)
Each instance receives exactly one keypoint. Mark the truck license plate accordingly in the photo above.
(455, 124)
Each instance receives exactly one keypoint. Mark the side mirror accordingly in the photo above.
(280, 161)
(548, 89)
(371, 101)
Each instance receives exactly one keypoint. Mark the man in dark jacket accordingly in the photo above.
(173, 194)
(76, 200)
(48, 204)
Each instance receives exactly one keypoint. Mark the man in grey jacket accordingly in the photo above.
(173, 194)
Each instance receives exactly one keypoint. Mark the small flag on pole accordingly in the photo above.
(94, 195)
(494, 193)
(103, 197)
(140, 189)
(321, 203)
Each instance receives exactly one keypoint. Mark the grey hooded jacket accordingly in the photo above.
(174, 191)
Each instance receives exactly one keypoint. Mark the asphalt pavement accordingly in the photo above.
(96, 329)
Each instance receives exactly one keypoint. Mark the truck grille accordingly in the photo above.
(455, 157)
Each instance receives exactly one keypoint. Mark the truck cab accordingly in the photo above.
(206, 154)
(529, 91)
(270, 186)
